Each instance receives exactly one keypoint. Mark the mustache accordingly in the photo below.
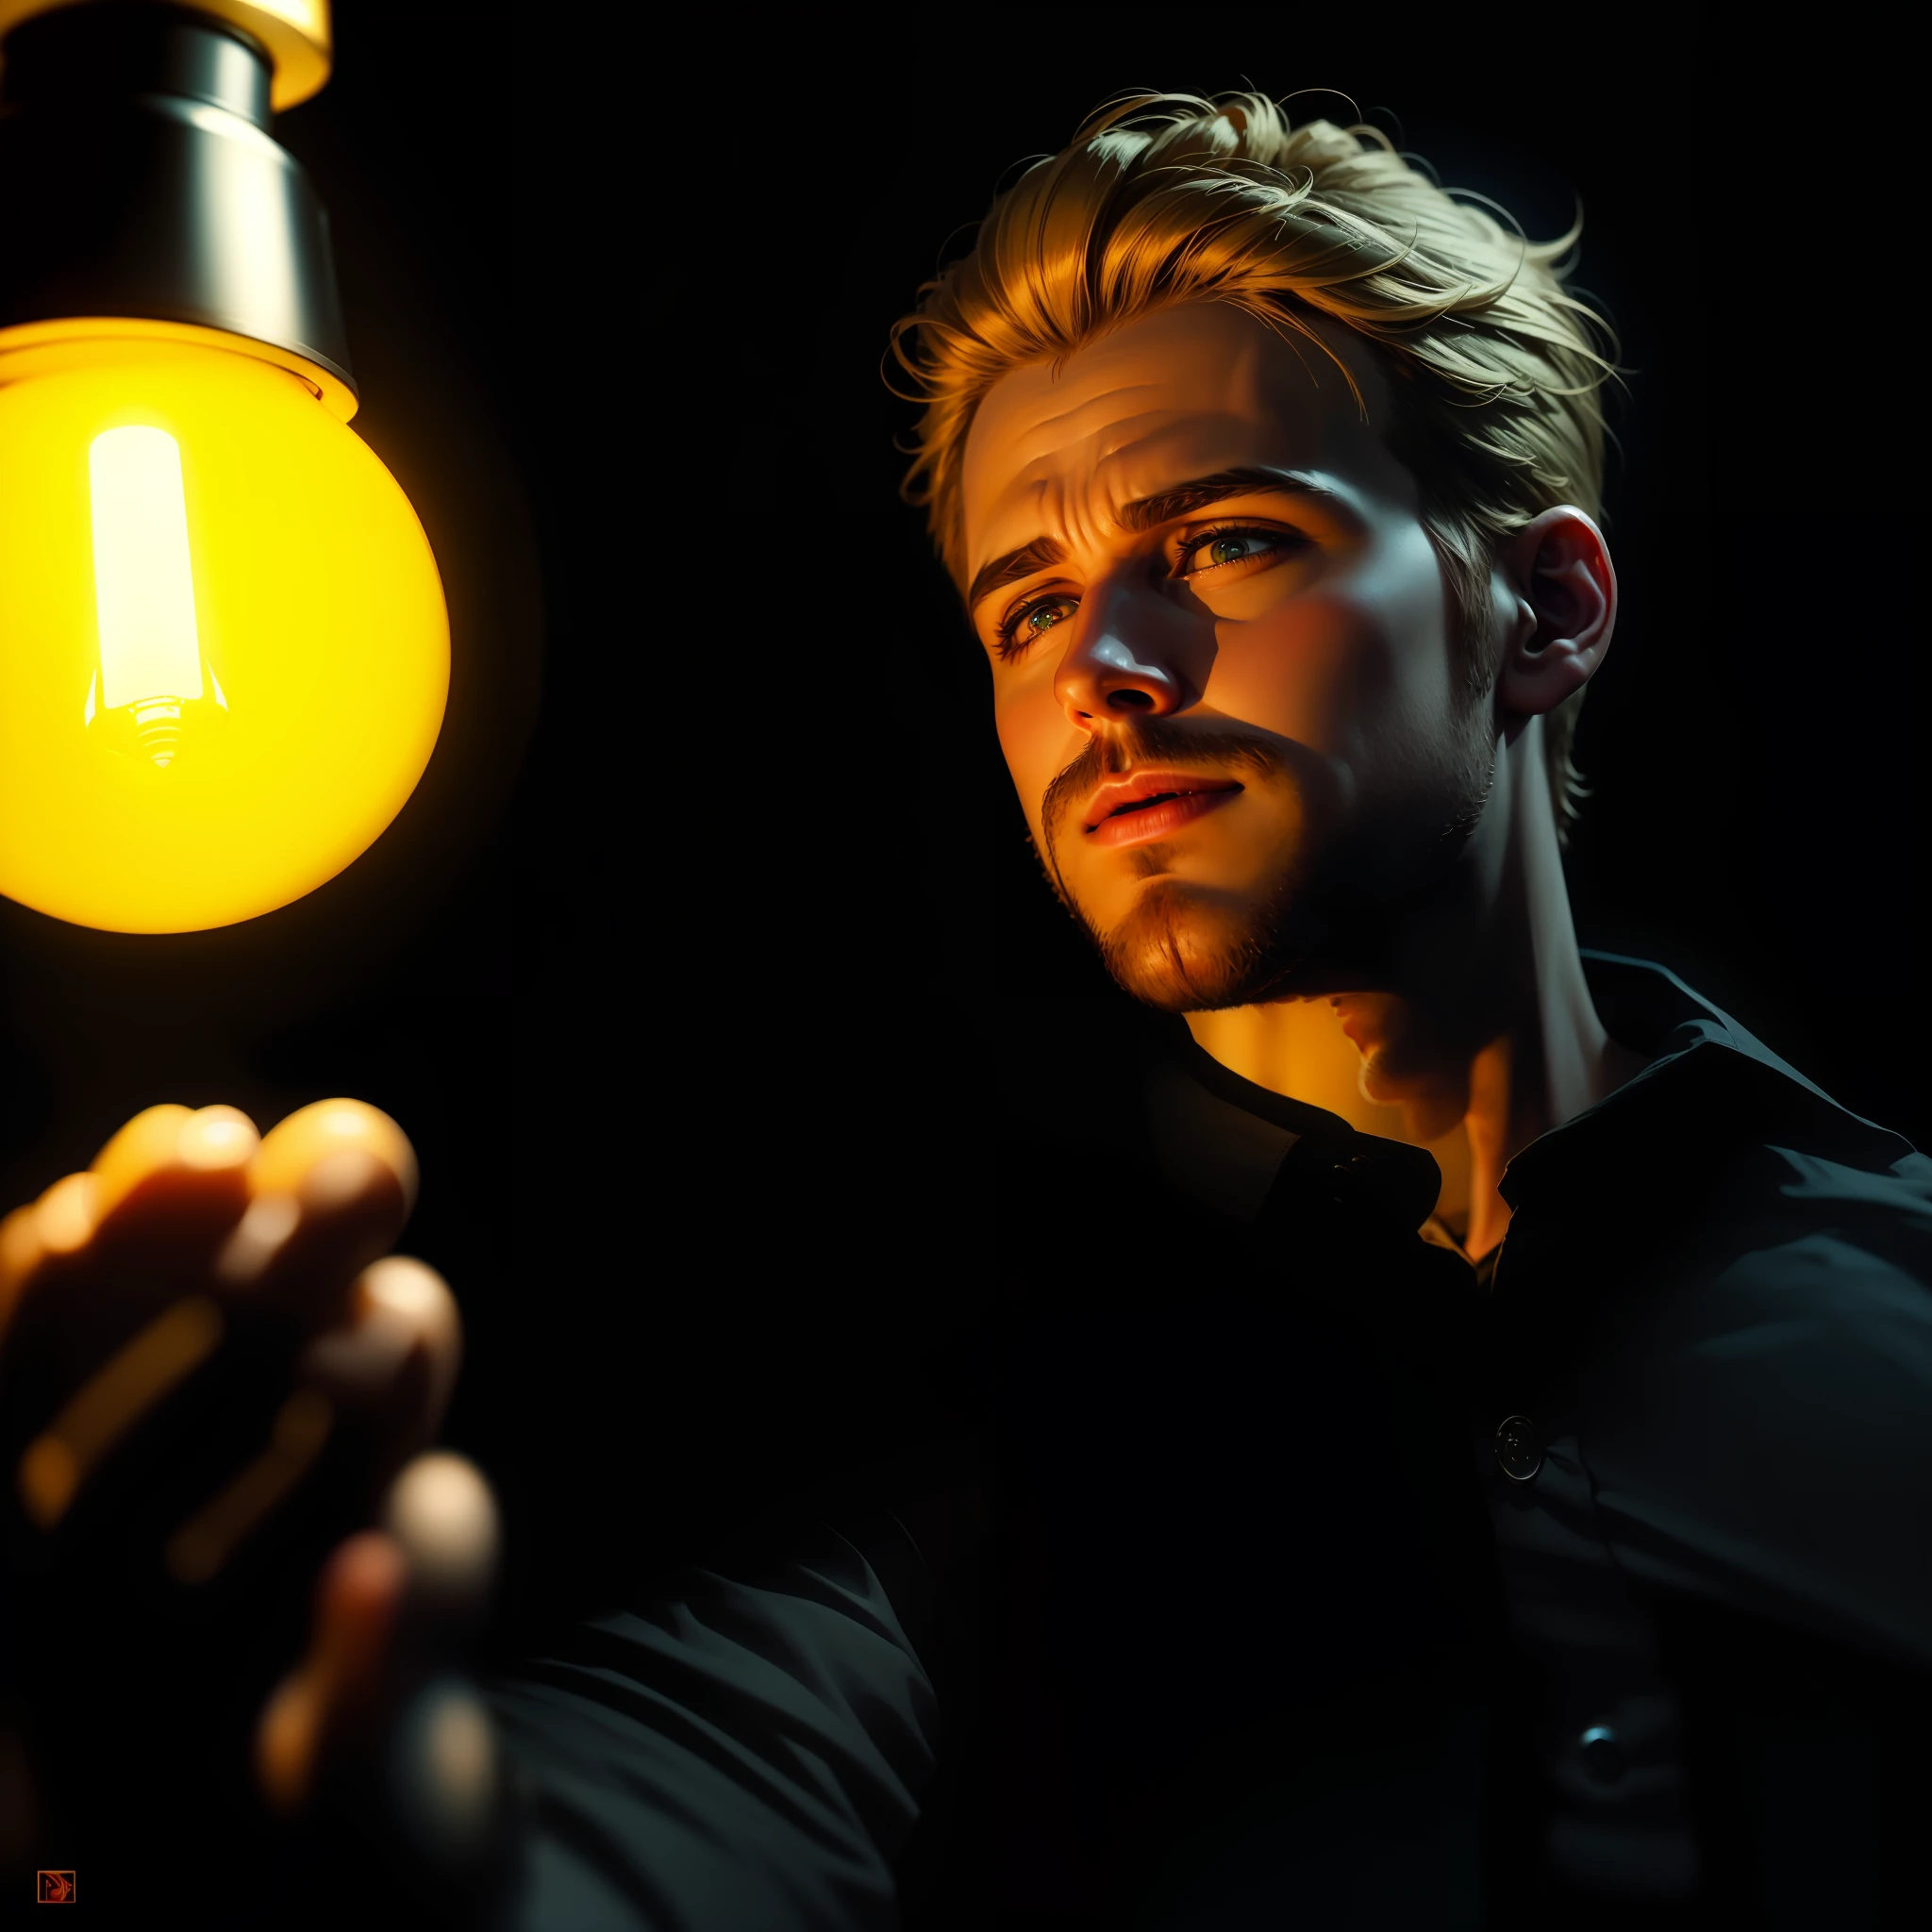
(1154, 741)
(1148, 740)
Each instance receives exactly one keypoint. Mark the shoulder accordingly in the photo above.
(1794, 1250)
(1761, 1432)
(1752, 1265)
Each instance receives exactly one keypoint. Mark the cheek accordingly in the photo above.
(1035, 739)
(1318, 671)
(1344, 663)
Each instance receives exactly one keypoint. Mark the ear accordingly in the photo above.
(1562, 592)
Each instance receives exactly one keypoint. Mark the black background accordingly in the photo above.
(678, 969)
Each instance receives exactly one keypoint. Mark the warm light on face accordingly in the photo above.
(1323, 647)
(224, 650)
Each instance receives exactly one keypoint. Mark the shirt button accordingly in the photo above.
(1519, 1453)
(1601, 1752)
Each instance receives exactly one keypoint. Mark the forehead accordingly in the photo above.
(1182, 392)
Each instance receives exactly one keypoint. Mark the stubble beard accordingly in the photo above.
(1336, 904)
(1184, 948)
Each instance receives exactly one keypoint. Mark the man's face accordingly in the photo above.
(1220, 654)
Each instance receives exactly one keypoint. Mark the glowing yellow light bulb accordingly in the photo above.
(223, 649)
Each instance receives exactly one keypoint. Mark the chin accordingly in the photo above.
(1429, 1108)
(1191, 949)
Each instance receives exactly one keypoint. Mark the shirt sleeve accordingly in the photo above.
(743, 1755)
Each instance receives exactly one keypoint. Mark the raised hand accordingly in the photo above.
(212, 1373)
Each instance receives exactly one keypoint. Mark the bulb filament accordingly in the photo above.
(151, 664)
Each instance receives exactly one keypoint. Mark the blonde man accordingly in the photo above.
(1269, 474)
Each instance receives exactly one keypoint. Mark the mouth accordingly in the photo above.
(1149, 805)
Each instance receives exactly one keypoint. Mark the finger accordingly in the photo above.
(171, 1140)
(58, 1224)
(164, 1188)
(368, 1397)
(385, 1378)
(332, 1189)
(20, 1255)
(442, 1513)
(390, 1367)
(295, 1256)
(336, 1686)
(413, 1293)
(446, 1778)
(65, 1215)
(410, 1585)
(146, 1142)
(442, 1793)
(332, 1127)
(101, 1272)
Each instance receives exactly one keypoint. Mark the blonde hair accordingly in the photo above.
(1166, 197)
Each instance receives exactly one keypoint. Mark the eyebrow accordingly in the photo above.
(1010, 568)
(1145, 513)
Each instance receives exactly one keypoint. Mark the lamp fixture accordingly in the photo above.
(224, 646)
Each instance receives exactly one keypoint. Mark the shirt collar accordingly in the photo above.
(1705, 1081)
(1223, 1141)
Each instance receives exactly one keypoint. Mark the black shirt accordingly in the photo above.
(1325, 1577)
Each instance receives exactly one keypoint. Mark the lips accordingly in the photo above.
(1138, 792)
(1147, 805)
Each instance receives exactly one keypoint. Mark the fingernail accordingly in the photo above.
(443, 1513)
(415, 1294)
(215, 1138)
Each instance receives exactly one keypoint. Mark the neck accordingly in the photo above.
(1482, 1034)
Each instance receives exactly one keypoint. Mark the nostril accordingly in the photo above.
(1130, 701)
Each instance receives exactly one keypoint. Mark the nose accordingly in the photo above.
(1111, 675)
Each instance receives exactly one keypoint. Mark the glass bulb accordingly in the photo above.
(223, 649)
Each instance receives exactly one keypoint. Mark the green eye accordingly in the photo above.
(1217, 548)
(1034, 621)
(1233, 549)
